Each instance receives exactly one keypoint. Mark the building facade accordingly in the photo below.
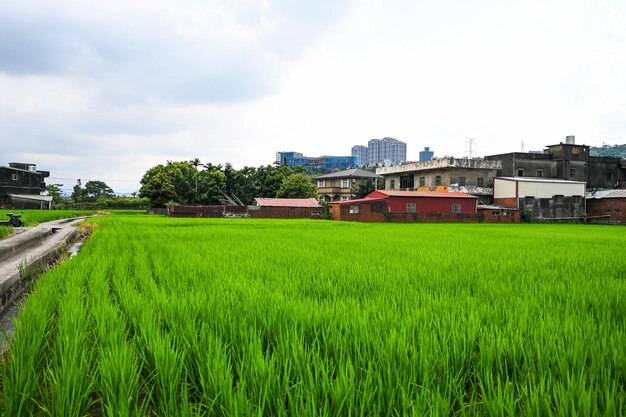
(426, 154)
(327, 163)
(385, 150)
(541, 198)
(337, 186)
(22, 186)
(465, 175)
(409, 206)
(360, 152)
(607, 206)
(565, 161)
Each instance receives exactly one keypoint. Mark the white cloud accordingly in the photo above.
(106, 90)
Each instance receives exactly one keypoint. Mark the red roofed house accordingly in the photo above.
(409, 206)
(286, 208)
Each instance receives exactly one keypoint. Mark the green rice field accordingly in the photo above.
(241, 317)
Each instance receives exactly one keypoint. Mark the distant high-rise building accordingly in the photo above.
(426, 154)
(326, 162)
(360, 152)
(384, 149)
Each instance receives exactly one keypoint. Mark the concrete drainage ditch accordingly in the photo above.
(24, 256)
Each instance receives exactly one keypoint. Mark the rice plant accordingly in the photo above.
(227, 317)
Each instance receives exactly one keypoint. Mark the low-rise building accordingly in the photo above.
(285, 208)
(607, 206)
(471, 176)
(541, 198)
(23, 186)
(337, 186)
(565, 161)
(407, 206)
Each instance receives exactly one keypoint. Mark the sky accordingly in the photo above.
(106, 90)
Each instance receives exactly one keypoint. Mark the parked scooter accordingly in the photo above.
(14, 220)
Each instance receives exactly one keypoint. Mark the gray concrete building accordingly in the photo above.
(565, 161)
(471, 176)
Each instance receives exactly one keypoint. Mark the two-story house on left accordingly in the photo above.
(337, 186)
(23, 186)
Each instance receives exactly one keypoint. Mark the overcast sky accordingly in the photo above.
(105, 90)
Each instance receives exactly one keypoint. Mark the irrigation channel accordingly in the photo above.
(26, 254)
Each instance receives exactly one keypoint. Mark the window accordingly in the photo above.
(392, 184)
(410, 207)
(407, 181)
(520, 172)
(496, 213)
(539, 173)
(609, 175)
(422, 181)
(529, 201)
(558, 199)
(354, 209)
(461, 181)
(572, 173)
(480, 182)
(321, 184)
(438, 180)
(345, 183)
(14, 177)
(456, 208)
(343, 198)
(576, 199)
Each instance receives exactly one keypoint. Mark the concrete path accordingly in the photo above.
(33, 247)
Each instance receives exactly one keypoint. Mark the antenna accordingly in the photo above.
(470, 147)
(522, 146)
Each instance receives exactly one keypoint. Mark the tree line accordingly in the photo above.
(196, 183)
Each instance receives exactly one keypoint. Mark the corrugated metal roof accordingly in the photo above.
(34, 197)
(287, 202)
(607, 194)
(360, 200)
(357, 173)
(431, 194)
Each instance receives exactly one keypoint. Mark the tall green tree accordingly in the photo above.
(181, 182)
(98, 189)
(55, 192)
(297, 186)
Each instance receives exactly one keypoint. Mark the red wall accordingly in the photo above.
(366, 214)
(432, 204)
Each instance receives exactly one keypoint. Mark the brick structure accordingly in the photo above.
(607, 206)
(416, 206)
(377, 211)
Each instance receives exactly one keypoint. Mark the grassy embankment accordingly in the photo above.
(258, 317)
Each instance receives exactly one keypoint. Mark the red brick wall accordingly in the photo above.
(342, 212)
(506, 202)
(616, 207)
(286, 213)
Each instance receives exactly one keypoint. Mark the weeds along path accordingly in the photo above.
(233, 317)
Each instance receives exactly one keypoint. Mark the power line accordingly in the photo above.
(89, 179)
